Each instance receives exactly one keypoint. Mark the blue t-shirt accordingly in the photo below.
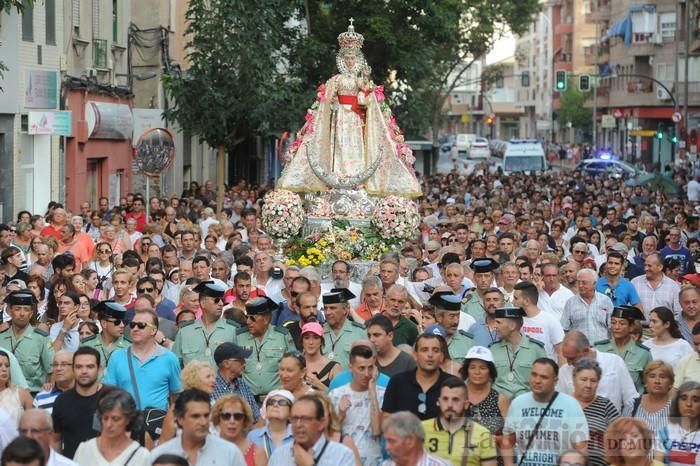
(345, 377)
(623, 294)
(682, 255)
(563, 425)
(157, 378)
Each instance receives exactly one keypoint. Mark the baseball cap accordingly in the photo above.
(479, 352)
(228, 350)
(312, 327)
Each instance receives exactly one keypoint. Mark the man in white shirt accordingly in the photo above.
(538, 325)
(553, 295)
(615, 384)
(37, 424)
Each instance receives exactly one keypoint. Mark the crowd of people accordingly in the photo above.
(531, 320)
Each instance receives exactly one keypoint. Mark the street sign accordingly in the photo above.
(608, 121)
(676, 117)
(643, 132)
(617, 113)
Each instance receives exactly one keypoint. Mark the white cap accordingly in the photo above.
(479, 352)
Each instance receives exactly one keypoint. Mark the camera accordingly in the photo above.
(277, 273)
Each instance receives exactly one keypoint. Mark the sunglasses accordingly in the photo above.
(104, 251)
(293, 294)
(145, 290)
(226, 416)
(141, 325)
(433, 251)
(278, 402)
(217, 299)
(252, 318)
(117, 322)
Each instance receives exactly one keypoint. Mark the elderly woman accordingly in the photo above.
(628, 442)
(486, 406)
(653, 407)
(681, 437)
(599, 411)
(116, 412)
(277, 431)
(233, 418)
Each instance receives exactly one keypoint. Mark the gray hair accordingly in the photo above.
(400, 288)
(45, 414)
(391, 256)
(117, 399)
(593, 275)
(404, 424)
(587, 364)
(311, 274)
(372, 281)
(580, 340)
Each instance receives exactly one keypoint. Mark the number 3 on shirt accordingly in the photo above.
(433, 445)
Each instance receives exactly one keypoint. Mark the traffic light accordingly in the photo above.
(560, 84)
(659, 134)
(674, 139)
(584, 83)
(489, 120)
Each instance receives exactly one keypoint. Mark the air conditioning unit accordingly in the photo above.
(661, 94)
(651, 59)
(91, 73)
(656, 39)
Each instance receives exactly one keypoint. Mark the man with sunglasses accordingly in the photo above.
(165, 308)
(112, 317)
(156, 369)
(199, 339)
(473, 299)
(267, 342)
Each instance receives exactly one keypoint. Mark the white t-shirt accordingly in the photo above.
(88, 453)
(545, 328)
(554, 303)
(694, 190)
(357, 422)
(670, 353)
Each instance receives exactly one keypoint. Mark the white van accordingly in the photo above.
(462, 144)
(524, 155)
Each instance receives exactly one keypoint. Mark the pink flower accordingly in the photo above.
(322, 93)
(379, 93)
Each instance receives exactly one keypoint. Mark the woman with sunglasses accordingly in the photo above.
(103, 264)
(233, 418)
(277, 431)
(292, 371)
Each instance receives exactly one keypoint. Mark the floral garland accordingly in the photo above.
(396, 217)
(282, 213)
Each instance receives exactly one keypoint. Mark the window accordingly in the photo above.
(499, 83)
(50, 10)
(96, 19)
(28, 23)
(667, 24)
(115, 22)
(76, 17)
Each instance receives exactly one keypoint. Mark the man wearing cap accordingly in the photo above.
(267, 343)
(612, 283)
(112, 317)
(31, 346)
(635, 354)
(338, 331)
(199, 338)
(515, 353)
(473, 300)
(230, 360)
(447, 312)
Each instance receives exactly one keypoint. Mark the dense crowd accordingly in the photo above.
(531, 320)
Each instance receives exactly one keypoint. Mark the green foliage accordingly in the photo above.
(236, 79)
(572, 108)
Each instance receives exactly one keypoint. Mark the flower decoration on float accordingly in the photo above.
(282, 214)
(396, 217)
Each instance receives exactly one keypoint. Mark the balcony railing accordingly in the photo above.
(636, 87)
(99, 53)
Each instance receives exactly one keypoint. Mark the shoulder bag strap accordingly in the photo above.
(133, 379)
(132, 454)
(537, 428)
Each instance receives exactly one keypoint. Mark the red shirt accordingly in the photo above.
(140, 220)
(230, 295)
(50, 230)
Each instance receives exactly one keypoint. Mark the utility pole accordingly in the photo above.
(688, 37)
(595, 86)
(676, 73)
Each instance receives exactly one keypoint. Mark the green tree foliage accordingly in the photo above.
(572, 108)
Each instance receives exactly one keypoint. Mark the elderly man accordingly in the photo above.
(372, 299)
(230, 360)
(447, 313)
(689, 298)
(340, 273)
(615, 384)
(264, 278)
(405, 331)
(483, 279)
(339, 332)
(38, 425)
(58, 220)
(655, 288)
(311, 446)
(553, 295)
(405, 438)
(588, 311)
(388, 273)
(688, 367)
(64, 380)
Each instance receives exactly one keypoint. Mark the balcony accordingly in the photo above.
(99, 53)
(600, 11)
(563, 28)
(645, 45)
(640, 87)
(563, 61)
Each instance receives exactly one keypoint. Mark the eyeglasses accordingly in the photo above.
(422, 407)
(62, 364)
(293, 294)
(24, 432)
(105, 251)
(116, 322)
(226, 416)
(141, 325)
(302, 419)
(278, 402)
(146, 290)
(433, 251)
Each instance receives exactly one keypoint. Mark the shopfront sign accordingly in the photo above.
(51, 123)
(108, 120)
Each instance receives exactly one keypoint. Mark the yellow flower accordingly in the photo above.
(290, 262)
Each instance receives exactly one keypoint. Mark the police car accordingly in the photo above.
(607, 165)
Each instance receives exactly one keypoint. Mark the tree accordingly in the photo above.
(572, 109)
(6, 6)
(420, 50)
(236, 78)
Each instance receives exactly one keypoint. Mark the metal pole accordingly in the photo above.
(676, 73)
(595, 87)
(148, 197)
(688, 37)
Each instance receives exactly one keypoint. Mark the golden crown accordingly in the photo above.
(350, 39)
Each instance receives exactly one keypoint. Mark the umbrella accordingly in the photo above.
(659, 181)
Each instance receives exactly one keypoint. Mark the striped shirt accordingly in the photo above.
(665, 294)
(45, 399)
(593, 319)
(426, 460)
(599, 414)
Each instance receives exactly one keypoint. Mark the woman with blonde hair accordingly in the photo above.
(233, 418)
(653, 407)
(628, 442)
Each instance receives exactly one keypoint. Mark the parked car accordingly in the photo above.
(479, 149)
(522, 155)
(462, 144)
(607, 166)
